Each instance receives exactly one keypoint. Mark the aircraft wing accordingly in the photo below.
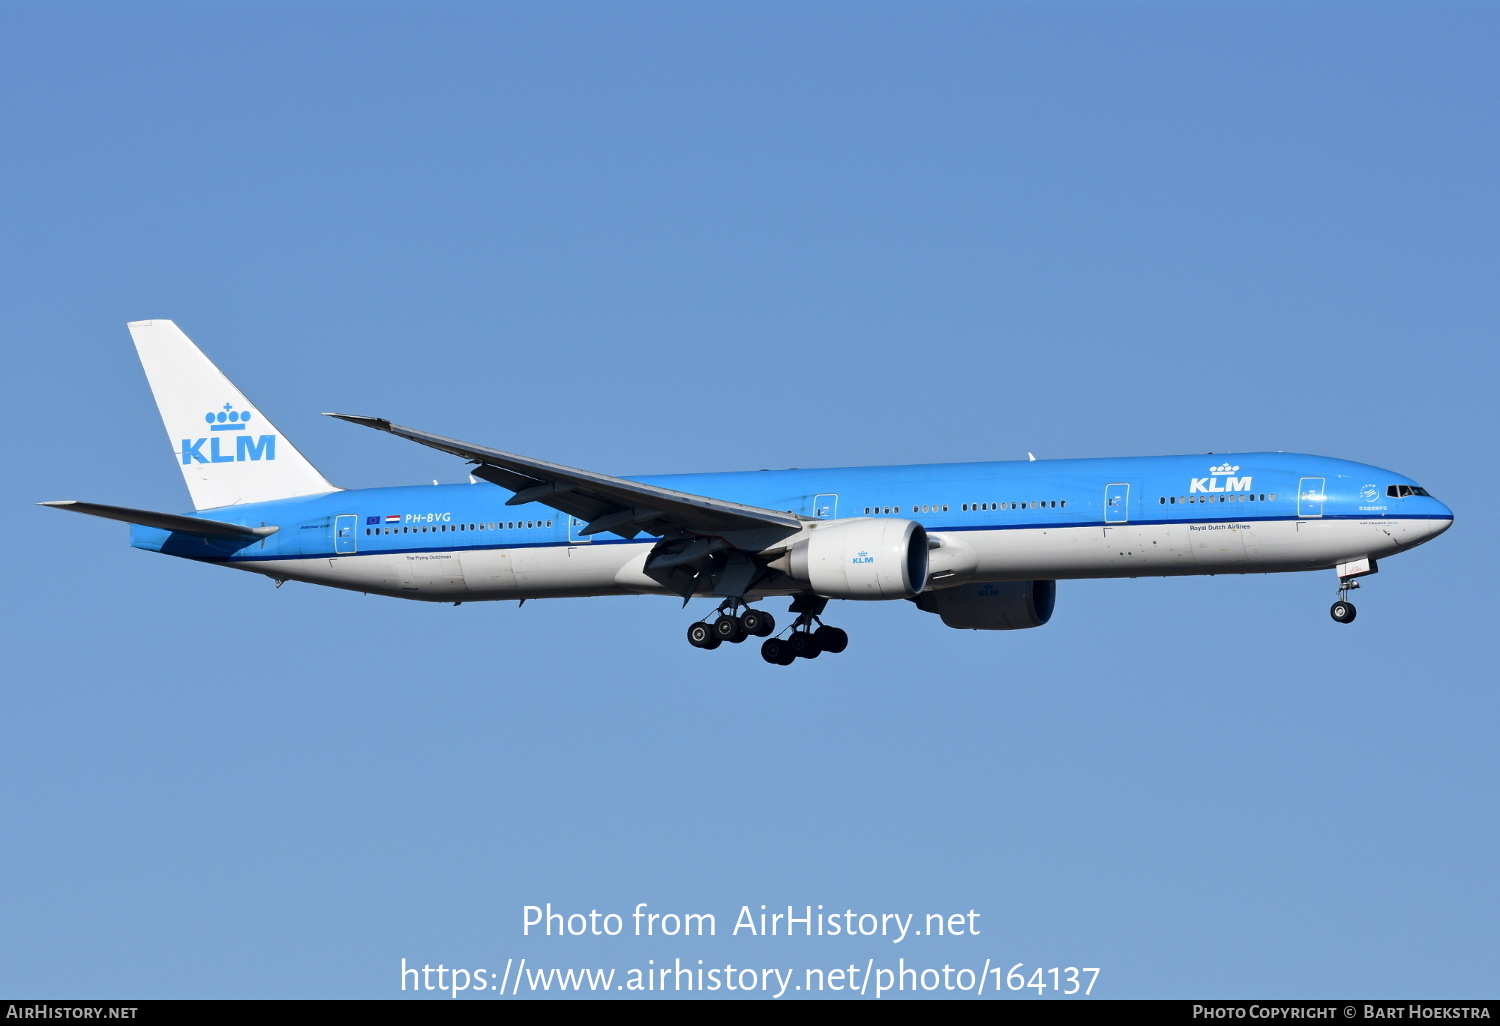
(164, 521)
(611, 504)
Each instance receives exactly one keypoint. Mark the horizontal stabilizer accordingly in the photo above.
(164, 521)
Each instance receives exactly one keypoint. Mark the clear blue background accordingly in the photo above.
(648, 237)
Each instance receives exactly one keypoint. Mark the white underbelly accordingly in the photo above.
(1146, 550)
(1044, 553)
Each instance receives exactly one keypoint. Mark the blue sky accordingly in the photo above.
(649, 238)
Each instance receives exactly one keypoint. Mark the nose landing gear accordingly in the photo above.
(1348, 571)
(1343, 610)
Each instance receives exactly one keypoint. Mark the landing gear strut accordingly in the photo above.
(1343, 610)
(805, 642)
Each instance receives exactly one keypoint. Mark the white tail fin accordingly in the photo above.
(230, 453)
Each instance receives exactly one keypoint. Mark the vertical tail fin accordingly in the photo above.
(230, 453)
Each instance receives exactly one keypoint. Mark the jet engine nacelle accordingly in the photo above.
(862, 559)
(993, 606)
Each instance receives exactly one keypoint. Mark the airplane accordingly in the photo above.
(981, 545)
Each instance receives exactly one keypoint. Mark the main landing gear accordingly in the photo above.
(805, 642)
(807, 638)
(710, 634)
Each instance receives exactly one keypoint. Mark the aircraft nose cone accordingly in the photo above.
(1441, 522)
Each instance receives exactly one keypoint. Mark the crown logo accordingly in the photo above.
(227, 419)
(1224, 469)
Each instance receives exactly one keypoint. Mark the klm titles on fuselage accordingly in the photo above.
(246, 447)
(1228, 484)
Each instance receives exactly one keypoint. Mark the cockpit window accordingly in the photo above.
(1402, 491)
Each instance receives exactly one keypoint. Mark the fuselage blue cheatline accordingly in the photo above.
(980, 544)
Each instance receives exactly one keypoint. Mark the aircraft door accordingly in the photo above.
(574, 526)
(1310, 497)
(826, 507)
(1116, 503)
(345, 534)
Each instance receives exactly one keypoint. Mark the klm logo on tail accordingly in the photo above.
(246, 447)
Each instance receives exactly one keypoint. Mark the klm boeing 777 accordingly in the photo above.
(981, 545)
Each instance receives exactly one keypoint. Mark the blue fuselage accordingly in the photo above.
(1202, 490)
